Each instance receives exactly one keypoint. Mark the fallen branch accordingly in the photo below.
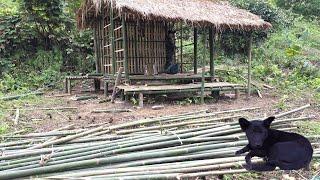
(82, 98)
(46, 108)
(9, 98)
(267, 86)
(111, 110)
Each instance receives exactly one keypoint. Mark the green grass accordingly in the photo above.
(243, 176)
(6, 113)
(309, 127)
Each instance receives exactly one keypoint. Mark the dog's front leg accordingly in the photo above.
(248, 157)
(243, 150)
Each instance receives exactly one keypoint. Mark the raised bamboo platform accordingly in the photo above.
(95, 77)
(179, 88)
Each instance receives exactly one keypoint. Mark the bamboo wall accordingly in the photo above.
(145, 45)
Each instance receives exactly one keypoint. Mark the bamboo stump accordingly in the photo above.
(68, 86)
(97, 85)
(106, 88)
(141, 100)
(237, 93)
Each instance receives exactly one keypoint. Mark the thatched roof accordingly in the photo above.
(219, 14)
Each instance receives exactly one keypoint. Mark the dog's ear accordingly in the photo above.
(267, 122)
(244, 123)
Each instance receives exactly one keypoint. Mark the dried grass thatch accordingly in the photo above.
(219, 14)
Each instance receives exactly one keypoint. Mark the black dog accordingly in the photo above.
(288, 151)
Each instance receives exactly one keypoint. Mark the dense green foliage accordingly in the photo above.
(307, 8)
(38, 40)
(39, 43)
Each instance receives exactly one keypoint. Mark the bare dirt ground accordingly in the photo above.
(270, 104)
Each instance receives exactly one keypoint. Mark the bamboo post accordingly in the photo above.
(203, 66)
(113, 56)
(106, 88)
(237, 93)
(211, 47)
(116, 83)
(141, 100)
(249, 65)
(66, 85)
(69, 86)
(96, 48)
(125, 47)
(195, 50)
(181, 48)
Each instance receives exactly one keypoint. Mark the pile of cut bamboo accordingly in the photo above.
(194, 144)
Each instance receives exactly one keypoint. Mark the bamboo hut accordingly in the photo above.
(141, 35)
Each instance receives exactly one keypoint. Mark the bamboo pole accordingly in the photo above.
(181, 48)
(116, 84)
(68, 138)
(211, 46)
(173, 125)
(125, 47)
(9, 98)
(195, 50)
(203, 67)
(292, 111)
(111, 110)
(112, 38)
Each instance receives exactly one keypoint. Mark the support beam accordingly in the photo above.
(96, 49)
(211, 47)
(141, 100)
(125, 47)
(195, 50)
(113, 55)
(249, 64)
(106, 88)
(204, 38)
(181, 48)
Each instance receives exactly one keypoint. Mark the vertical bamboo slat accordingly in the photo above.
(203, 66)
(112, 39)
(181, 48)
(125, 47)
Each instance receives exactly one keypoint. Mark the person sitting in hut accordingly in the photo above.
(171, 67)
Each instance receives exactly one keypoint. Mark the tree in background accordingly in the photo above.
(307, 8)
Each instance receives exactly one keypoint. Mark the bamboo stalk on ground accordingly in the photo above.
(171, 118)
(9, 98)
(292, 111)
(69, 138)
(46, 108)
(111, 110)
(173, 125)
(176, 152)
